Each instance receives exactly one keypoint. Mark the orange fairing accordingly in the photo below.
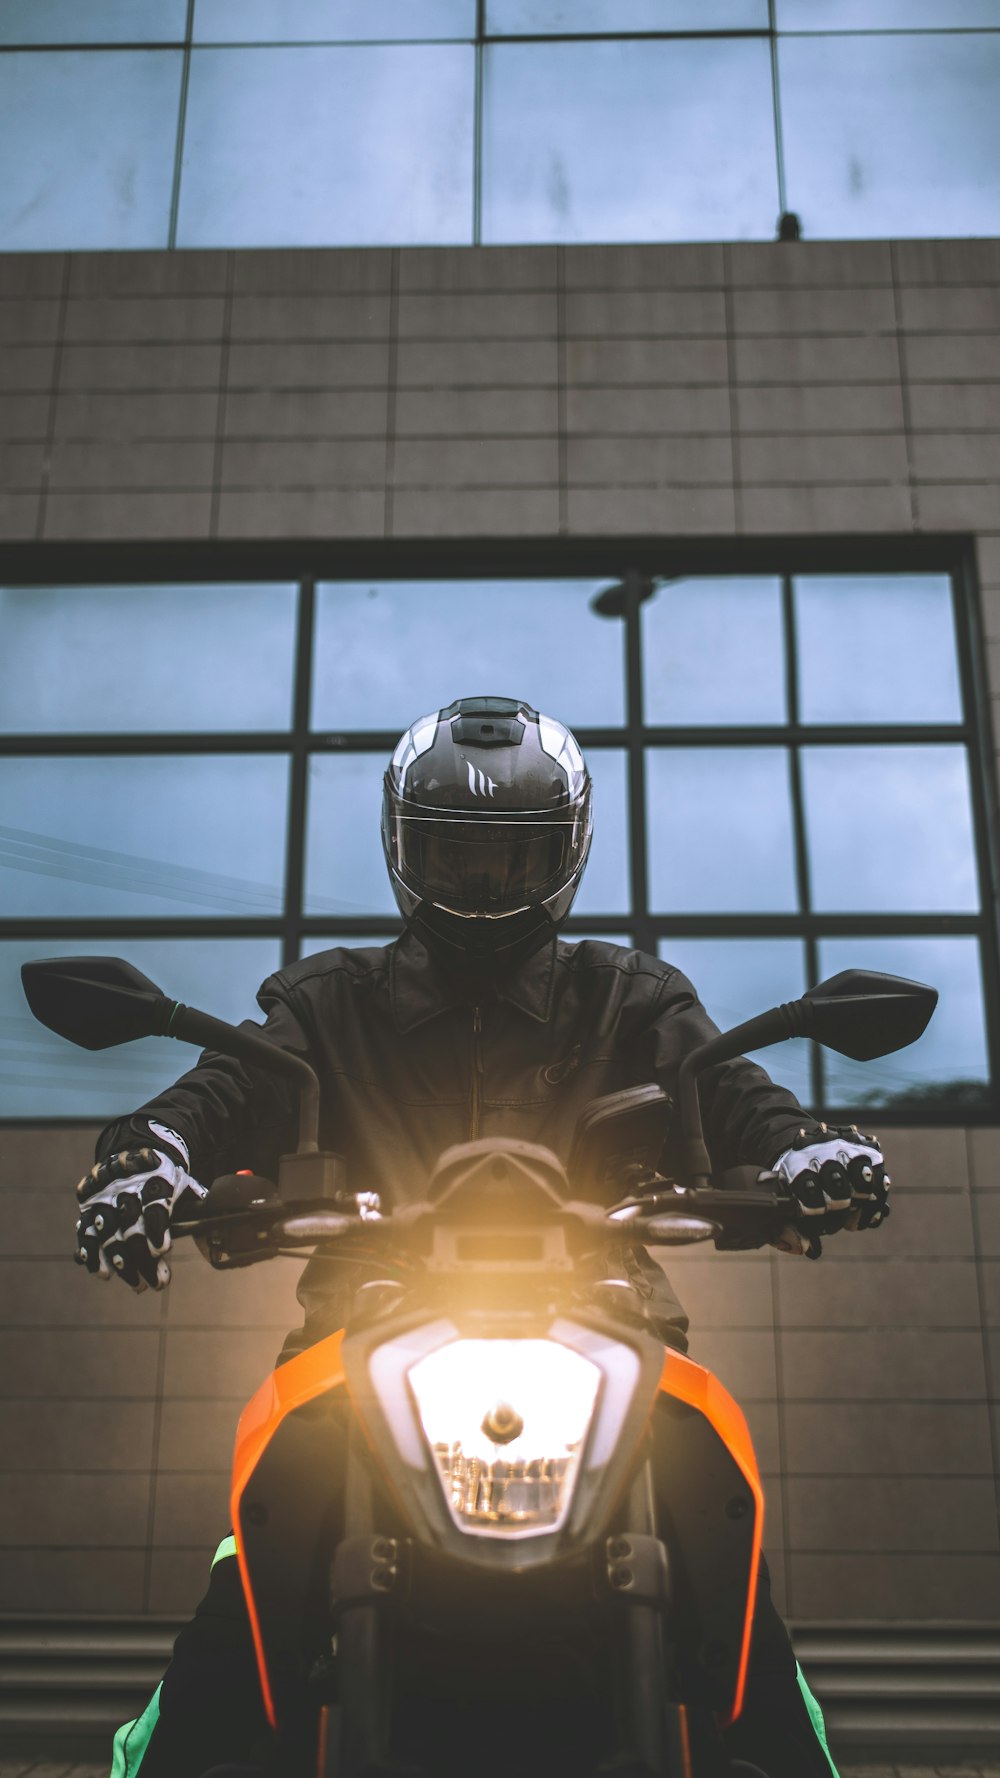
(311, 1373)
(691, 1383)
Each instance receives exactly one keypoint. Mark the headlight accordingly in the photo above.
(506, 1421)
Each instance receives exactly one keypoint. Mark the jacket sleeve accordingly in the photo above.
(231, 1115)
(747, 1119)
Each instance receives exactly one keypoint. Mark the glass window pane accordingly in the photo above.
(328, 147)
(888, 15)
(43, 1076)
(629, 141)
(523, 17)
(889, 829)
(388, 652)
(205, 658)
(345, 868)
(330, 21)
(739, 977)
(87, 141)
(877, 648)
(950, 1061)
(143, 836)
(605, 885)
(719, 830)
(714, 652)
(894, 135)
(98, 21)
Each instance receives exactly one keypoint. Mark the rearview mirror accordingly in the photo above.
(95, 1002)
(862, 1014)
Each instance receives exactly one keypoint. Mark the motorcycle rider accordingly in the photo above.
(477, 1021)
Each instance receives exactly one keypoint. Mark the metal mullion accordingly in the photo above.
(659, 925)
(799, 836)
(141, 926)
(349, 926)
(55, 746)
(624, 36)
(479, 52)
(983, 789)
(182, 104)
(639, 893)
(779, 143)
(299, 772)
(825, 734)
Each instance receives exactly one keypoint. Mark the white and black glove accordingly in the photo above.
(838, 1179)
(126, 1205)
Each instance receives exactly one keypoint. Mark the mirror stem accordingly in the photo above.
(192, 1026)
(768, 1027)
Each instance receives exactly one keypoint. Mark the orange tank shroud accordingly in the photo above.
(311, 1373)
(319, 1369)
(691, 1383)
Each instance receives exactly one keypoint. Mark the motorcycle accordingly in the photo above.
(493, 1523)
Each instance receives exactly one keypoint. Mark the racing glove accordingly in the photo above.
(126, 1205)
(838, 1180)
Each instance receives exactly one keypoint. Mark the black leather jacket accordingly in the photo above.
(411, 1060)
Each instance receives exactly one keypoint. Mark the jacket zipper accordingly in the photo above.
(477, 1072)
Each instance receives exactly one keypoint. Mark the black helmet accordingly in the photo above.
(486, 828)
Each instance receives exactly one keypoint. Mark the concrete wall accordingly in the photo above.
(676, 391)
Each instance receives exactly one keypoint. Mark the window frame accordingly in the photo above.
(480, 39)
(631, 564)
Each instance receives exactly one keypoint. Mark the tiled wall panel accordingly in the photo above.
(747, 390)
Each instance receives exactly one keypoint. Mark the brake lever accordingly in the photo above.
(744, 1214)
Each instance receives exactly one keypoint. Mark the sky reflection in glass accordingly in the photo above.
(877, 648)
(629, 141)
(87, 143)
(890, 829)
(197, 649)
(892, 135)
(884, 15)
(331, 21)
(390, 651)
(952, 1049)
(698, 636)
(362, 145)
(720, 830)
(605, 886)
(95, 21)
(42, 1075)
(556, 17)
(134, 835)
(739, 977)
(345, 871)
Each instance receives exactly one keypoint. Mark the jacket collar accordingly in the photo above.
(420, 989)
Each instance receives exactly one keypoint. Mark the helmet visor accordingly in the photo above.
(486, 868)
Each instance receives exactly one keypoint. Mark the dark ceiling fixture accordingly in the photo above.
(789, 226)
(610, 601)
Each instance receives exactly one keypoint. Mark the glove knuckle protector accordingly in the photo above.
(837, 1178)
(125, 1227)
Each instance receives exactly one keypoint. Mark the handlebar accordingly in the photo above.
(740, 1214)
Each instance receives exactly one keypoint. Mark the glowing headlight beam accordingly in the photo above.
(514, 1484)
